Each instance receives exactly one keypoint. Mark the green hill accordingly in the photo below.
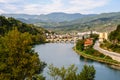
(114, 36)
(7, 24)
(101, 22)
(52, 17)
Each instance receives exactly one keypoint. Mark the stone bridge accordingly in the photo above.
(71, 40)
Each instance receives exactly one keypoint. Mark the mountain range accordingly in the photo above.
(71, 22)
(52, 17)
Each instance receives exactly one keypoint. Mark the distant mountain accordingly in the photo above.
(72, 22)
(52, 17)
(24, 16)
(101, 22)
(60, 17)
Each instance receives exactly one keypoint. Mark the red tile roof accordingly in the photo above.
(88, 42)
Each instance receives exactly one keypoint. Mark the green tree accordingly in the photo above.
(88, 73)
(38, 77)
(118, 28)
(17, 59)
(114, 36)
(63, 73)
(70, 73)
(80, 45)
(38, 38)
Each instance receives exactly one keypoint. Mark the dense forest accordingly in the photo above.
(17, 59)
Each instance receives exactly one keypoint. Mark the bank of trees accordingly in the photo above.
(114, 36)
(17, 59)
(70, 73)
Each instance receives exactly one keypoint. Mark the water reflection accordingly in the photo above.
(85, 59)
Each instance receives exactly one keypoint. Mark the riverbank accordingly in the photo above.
(110, 47)
(113, 55)
(102, 60)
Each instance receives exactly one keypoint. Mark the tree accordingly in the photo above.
(114, 35)
(18, 61)
(88, 73)
(80, 45)
(70, 73)
(118, 28)
(38, 77)
(37, 39)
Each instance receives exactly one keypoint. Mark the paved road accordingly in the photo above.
(114, 55)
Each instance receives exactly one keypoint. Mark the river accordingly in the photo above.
(61, 54)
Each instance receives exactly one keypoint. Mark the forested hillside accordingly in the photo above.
(7, 24)
(101, 22)
(114, 36)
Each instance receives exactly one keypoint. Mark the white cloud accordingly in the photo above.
(8, 1)
(68, 6)
(4, 1)
(1, 11)
(11, 7)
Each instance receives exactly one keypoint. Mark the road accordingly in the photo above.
(113, 55)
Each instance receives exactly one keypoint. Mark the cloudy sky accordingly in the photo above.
(67, 6)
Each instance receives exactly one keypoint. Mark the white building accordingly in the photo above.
(103, 36)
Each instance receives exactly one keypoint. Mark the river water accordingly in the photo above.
(61, 54)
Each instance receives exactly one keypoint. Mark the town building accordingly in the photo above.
(88, 42)
(103, 36)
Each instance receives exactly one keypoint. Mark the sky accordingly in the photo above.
(66, 6)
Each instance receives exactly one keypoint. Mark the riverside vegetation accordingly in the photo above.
(90, 53)
(70, 73)
(18, 61)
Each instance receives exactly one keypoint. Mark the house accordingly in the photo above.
(88, 42)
